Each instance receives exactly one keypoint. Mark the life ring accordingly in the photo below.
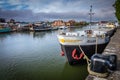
(75, 56)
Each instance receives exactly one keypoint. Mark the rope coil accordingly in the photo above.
(89, 65)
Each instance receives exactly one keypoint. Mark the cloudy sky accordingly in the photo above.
(37, 10)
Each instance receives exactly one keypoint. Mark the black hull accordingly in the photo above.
(114, 30)
(89, 50)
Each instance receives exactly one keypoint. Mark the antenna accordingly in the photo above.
(91, 15)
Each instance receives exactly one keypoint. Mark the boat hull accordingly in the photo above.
(44, 29)
(5, 30)
(89, 50)
(111, 32)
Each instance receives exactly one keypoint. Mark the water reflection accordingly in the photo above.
(76, 72)
(35, 56)
(39, 34)
(3, 36)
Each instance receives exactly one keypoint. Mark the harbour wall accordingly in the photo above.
(112, 47)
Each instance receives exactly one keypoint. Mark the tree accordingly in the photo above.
(2, 20)
(117, 8)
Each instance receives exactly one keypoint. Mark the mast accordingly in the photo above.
(91, 13)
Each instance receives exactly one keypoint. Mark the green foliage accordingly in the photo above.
(117, 7)
(80, 23)
(76, 24)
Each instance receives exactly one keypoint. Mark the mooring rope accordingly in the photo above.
(96, 47)
(87, 59)
(89, 64)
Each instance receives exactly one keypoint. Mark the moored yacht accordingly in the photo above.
(75, 44)
(4, 28)
(110, 28)
(41, 27)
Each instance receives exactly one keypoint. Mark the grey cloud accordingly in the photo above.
(30, 16)
(69, 9)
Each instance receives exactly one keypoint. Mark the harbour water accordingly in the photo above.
(35, 56)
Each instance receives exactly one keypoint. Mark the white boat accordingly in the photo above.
(110, 28)
(63, 27)
(73, 44)
(4, 28)
(87, 37)
(89, 41)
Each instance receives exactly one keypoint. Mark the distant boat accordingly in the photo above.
(4, 28)
(41, 27)
(63, 27)
(54, 28)
(110, 28)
